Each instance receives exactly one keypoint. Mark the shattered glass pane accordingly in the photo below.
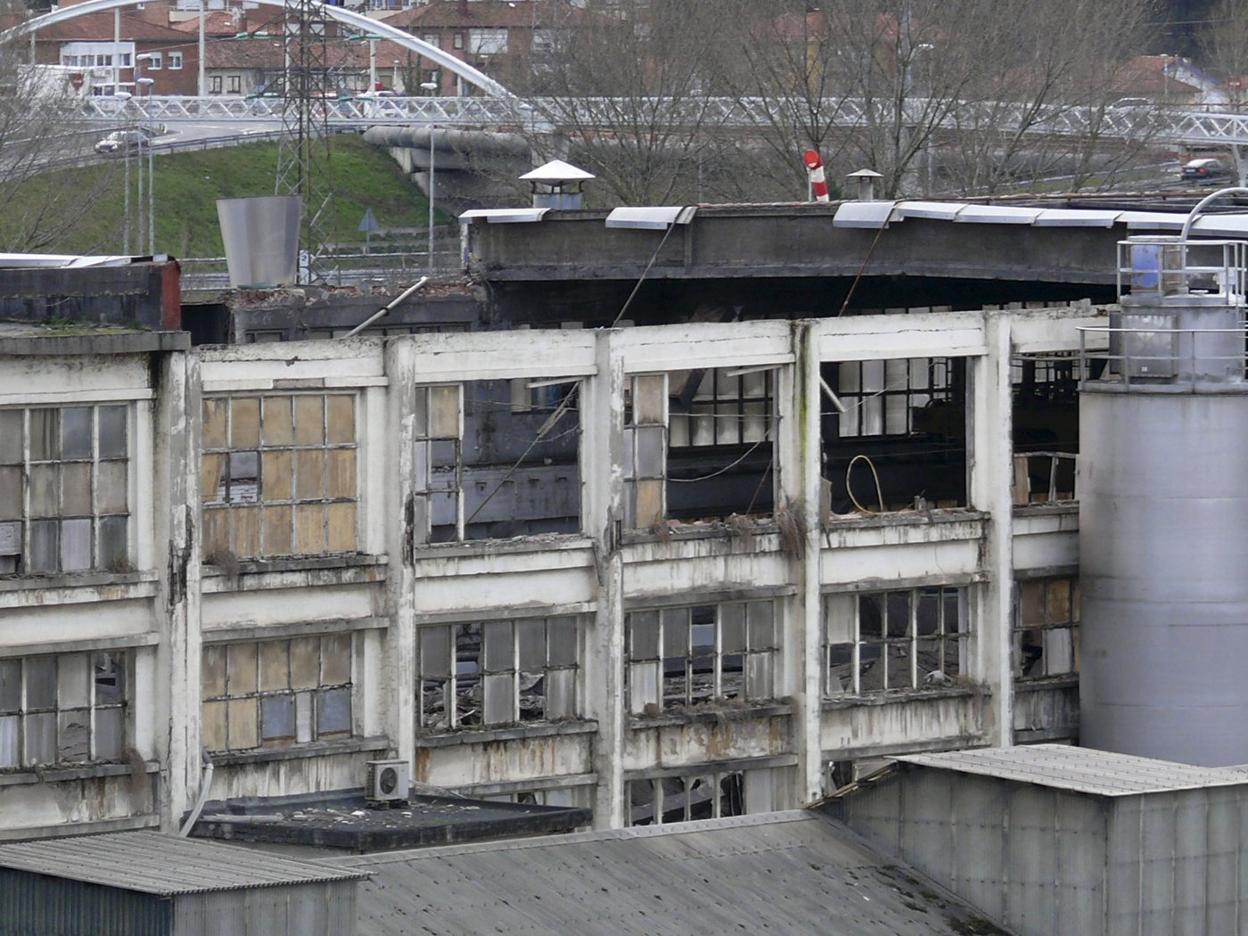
(110, 678)
(434, 710)
(244, 478)
(73, 742)
(898, 614)
(927, 618)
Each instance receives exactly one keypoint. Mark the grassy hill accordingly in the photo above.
(187, 186)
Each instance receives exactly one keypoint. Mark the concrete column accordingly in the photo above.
(175, 503)
(803, 628)
(398, 714)
(602, 485)
(990, 464)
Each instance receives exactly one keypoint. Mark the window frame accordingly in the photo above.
(863, 412)
(214, 84)
(339, 500)
(1050, 623)
(254, 695)
(758, 666)
(885, 641)
(235, 84)
(175, 61)
(112, 526)
(434, 683)
(25, 713)
(687, 781)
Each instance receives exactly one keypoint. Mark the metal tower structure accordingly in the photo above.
(304, 147)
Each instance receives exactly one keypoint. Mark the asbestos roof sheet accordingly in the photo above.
(794, 872)
(1082, 770)
(166, 865)
(505, 215)
(650, 219)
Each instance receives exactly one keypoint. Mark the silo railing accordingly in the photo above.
(1165, 355)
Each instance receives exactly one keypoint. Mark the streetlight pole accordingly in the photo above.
(429, 85)
(144, 142)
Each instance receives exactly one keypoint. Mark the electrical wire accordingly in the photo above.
(644, 273)
(721, 471)
(879, 492)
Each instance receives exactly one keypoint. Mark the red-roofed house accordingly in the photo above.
(481, 32)
(168, 56)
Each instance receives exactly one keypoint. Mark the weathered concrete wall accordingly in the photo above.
(393, 582)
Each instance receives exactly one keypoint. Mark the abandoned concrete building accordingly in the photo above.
(706, 548)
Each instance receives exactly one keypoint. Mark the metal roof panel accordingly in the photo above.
(1082, 770)
(855, 214)
(166, 865)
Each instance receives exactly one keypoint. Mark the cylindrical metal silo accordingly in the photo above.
(1163, 515)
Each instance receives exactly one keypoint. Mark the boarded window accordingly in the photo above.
(276, 693)
(70, 708)
(73, 463)
(1046, 628)
(498, 672)
(279, 476)
(685, 656)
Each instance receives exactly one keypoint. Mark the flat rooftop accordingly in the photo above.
(347, 822)
(1082, 770)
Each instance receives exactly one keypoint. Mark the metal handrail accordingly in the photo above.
(1087, 355)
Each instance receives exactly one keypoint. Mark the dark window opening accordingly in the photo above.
(1046, 426)
(894, 435)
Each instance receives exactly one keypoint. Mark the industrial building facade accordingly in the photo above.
(496, 556)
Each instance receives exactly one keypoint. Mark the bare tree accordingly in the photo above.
(624, 88)
(1223, 44)
(37, 137)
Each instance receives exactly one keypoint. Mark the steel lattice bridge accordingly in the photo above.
(499, 112)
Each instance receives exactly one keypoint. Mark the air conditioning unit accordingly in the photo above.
(388, 781)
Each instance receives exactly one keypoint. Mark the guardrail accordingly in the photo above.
(160, 149)
(1152, 356)
(354, 268)
(1129, 122)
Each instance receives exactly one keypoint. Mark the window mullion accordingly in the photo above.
(914, 638)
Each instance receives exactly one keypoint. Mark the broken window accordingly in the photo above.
(276, 693)
(279, 475)
(556, 796)
(496, 458)
(64, 489)
(1045, 426)
(1046, 628)
(676, 657)
(907, 639)
(497, 672)
(666, 800)
(894, 434)
(700, 444)
(69, 708)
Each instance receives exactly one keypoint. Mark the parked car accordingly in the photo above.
(1205, 171)
(121, 141)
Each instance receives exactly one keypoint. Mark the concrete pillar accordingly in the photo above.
(175, 504)
(803, 629)
(602, 459)
(398, 714)
(990, 464)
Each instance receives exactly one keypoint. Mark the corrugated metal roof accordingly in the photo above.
(151, 863)
(794, 872)
(1083, 770)
(651, 219)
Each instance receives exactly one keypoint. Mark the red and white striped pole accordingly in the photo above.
(818, 184)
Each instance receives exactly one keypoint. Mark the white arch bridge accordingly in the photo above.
(498, 108)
